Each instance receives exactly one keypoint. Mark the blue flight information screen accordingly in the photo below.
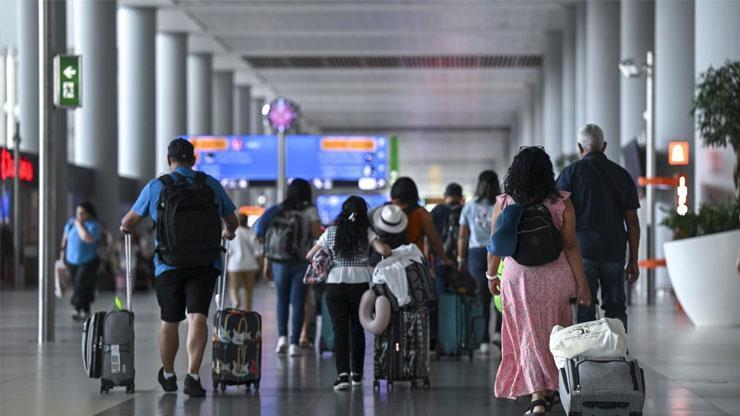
(329, 206)
(362, 159)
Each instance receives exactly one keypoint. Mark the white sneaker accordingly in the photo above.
(282, 346)
(484, 348)
(294, 350)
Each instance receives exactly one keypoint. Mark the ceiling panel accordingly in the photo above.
(363, 97)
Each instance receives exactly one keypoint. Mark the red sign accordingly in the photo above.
(7, 167)
(678, 153)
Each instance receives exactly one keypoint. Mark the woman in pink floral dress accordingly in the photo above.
(535, 299)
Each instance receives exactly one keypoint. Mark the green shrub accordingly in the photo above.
(711, 219)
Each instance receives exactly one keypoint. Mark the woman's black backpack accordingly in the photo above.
(538, 240)
(188, 222)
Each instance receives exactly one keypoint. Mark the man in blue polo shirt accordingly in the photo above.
(605, 199)
(181, 289)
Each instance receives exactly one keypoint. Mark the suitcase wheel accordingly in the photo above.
(130, 388)
(223, 386)
(427, 384)
(256, 386)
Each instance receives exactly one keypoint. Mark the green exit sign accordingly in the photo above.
(68, 81)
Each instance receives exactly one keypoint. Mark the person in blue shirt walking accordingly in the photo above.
(82, 234)
(183, 288)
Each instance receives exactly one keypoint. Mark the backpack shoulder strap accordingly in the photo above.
(200, 179)
(166, 181)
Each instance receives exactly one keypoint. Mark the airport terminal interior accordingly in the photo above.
(355, 97)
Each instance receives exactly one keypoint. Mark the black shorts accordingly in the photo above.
(181, 289)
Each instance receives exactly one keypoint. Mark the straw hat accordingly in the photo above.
(390, 219)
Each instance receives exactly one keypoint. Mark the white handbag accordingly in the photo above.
(603, 337)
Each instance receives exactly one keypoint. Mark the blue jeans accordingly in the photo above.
(611, 278)
(291, 292)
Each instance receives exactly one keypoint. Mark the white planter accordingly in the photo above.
(705, 279)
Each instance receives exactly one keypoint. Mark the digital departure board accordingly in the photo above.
(329, 206)
(236, 159)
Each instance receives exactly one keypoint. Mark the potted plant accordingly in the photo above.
(702, 259)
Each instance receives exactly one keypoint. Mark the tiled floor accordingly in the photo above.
(690, 371)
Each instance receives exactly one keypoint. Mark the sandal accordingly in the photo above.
(537, 403)
(553, 399)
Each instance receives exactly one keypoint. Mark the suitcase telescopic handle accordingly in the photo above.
(220, 295)
(128, 261)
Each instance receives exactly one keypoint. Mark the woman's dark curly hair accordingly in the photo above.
(530, 178)
(352, 225)
(89, 208)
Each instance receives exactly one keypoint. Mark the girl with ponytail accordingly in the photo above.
(349, 241)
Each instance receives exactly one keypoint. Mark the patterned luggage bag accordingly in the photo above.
(401, 353)
(236, 343)
(237, 348)
(461, 325)
(421, 284)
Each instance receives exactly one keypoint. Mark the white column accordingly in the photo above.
(637, 32)
(96, 121)
(526, 129)
(171, 88)
(717, 40)
(257, 122)
(568, 102)
(580, 65)
(223, 102)
(602, 72)
(199, 91)
(242, 109)
(28, 76)
(136, 89)
(538, 137)
(674, 92)
(553, 94)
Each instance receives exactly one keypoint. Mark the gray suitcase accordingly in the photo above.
(593, 386)
(108, 341)
(602, 387)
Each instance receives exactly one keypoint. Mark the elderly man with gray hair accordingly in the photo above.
(605, 199)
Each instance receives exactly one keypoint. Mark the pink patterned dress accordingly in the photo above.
(535, 299)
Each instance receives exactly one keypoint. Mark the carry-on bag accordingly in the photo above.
(108, 340)
(401, 353)
(602, 386)
(461, 325)
(236, 343)
(326, 339)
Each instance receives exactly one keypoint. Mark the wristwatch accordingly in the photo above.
(490, 278)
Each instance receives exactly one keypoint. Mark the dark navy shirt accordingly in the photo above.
(600, 207)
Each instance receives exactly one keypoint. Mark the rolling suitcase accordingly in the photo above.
(108, 341)
(461, 325)
(602, 386)
(236, 344)
(401, 353)
(326, 341)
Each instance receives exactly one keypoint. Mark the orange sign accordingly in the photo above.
(678, 153)
(344, 144)
(251, 210)
(212, 143)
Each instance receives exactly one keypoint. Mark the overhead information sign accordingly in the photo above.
(68, 81)
(329, 206)
(321, 159)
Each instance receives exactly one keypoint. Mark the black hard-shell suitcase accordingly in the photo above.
(236, 343)
(401, 353)
(108, 341)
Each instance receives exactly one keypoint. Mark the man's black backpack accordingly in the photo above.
(188, 222)
(451, 230)
(538, 240)
(285, 237)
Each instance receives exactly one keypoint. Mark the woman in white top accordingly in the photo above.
(242, 265)
(349, 241)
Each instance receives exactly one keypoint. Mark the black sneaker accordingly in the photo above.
(342, 383)
(356, 380)
(168, 384)
(193, 387)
